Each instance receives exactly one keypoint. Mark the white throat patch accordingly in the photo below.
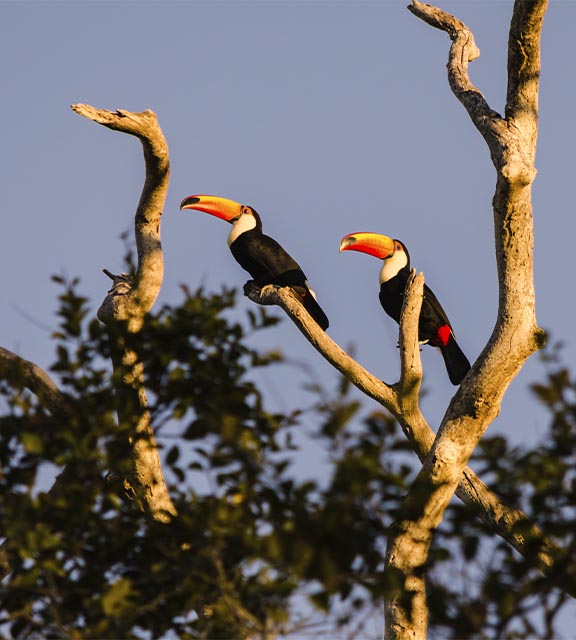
(245, 222)
(398, 260)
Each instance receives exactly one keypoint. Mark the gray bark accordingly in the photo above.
(130, 299)
(516, 335)
(512, 142)
(401, 400)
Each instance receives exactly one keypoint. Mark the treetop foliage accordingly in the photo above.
(252, 539)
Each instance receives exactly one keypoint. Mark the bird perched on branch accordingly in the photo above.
(264, 259)
(433, 327)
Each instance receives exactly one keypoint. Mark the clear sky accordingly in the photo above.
(328, 117)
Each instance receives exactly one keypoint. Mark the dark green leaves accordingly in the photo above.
(252, 537)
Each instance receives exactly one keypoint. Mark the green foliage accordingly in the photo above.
(252, 539)
(85, 562)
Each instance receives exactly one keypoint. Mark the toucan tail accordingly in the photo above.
(456, 362)
(315, 310)
(308, 298)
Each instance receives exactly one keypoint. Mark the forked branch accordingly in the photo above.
(516, 334)
(401, 400)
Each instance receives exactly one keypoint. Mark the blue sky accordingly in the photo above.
(328, 117)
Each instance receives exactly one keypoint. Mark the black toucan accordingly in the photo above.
(434, 327)
(264, 259)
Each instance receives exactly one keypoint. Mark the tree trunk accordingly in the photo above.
(512, 144)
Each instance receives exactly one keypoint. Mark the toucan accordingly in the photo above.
(264, 259)
(434, 328)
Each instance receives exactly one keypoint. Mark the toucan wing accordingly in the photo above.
(269, 263)
(432, 313)
(456, 362)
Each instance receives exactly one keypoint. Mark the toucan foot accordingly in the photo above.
(260, 295)
(250, 288)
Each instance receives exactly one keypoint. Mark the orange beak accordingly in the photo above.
(214, 205)
(373, 244)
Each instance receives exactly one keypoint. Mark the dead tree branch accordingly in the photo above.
(402, 402)
(132, 305)
(515, 337)
(131, 298)
(516, 334)
(35, 379)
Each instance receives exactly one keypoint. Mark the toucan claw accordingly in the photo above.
(250, 288)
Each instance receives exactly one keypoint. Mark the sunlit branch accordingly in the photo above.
(507, 522)
(515, 336)
(131, 298)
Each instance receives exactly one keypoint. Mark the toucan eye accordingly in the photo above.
(246, 210)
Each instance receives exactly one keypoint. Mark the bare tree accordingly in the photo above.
(123, 310)
(512, 142)
(130, 299)
(516, 335)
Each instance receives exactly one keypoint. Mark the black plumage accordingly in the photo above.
(269, 263)
(434, 328)
(264, 258)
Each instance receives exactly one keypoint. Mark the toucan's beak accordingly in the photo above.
(220, 207)
(374, 244)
